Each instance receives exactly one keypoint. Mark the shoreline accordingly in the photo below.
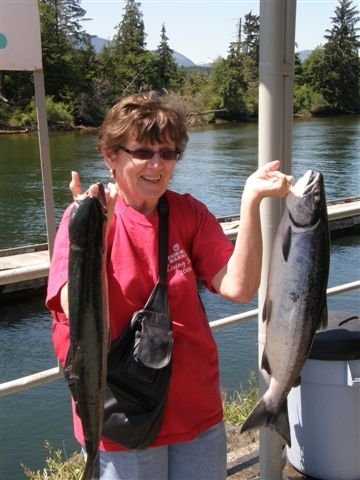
(195, 119)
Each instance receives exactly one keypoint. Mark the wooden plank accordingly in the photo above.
(23, 267)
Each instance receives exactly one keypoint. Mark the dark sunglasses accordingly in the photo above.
(147, 153)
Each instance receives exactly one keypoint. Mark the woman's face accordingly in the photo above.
(141, 182)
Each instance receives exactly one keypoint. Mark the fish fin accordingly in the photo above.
(75, 367)
(257, 418)
(92, 467)
(297, 381)
(261, 417)
(286, 244)
(281, 424)
(265, 365)
(323, 318)
(266, 313)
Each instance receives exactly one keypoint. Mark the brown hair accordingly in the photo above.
(148, 116)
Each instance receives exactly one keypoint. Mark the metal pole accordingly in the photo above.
(277, 38)
(45, 157)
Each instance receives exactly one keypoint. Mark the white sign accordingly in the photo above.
(20, 40)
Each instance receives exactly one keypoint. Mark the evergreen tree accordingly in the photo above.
(165, 63)
(250, 44)
(339, 80)
(125, 61)
(236, 78)
(68, 57)
(228, 81)
(250, 61)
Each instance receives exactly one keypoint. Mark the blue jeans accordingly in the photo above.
(203, 458)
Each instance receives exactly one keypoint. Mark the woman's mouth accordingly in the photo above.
(152, 178)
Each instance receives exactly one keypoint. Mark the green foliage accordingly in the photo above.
(57, 114)
(83, 85)
(58, 466)
(69, 59)
(166, 69)
(238, 407)
(251, 42)
(125, 60)
(338, 73)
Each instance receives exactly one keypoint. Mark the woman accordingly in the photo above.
(141, 139)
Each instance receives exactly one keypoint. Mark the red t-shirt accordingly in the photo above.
(198, 248)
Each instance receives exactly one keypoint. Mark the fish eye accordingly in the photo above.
(316, 194)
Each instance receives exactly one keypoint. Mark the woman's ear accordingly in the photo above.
(109, 157)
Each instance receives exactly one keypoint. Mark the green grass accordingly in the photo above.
(58, 466)
(238, 406)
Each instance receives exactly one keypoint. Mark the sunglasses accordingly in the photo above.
(147, 153)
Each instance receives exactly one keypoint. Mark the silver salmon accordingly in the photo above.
(88, 320)
(295, 305)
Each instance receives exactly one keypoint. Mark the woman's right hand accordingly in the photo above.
(111, 193)
(77, 192)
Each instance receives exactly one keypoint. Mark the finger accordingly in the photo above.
(93, 190)
(75, 185)
(276, 174)
(271, 166)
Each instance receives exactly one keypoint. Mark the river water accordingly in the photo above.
(217, 161)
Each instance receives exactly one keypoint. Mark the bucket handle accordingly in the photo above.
(355, 317)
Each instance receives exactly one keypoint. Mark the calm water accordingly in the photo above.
(215, 167)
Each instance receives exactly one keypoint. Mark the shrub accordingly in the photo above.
(57, 114)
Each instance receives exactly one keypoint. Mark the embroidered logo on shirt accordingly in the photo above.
(179, 260)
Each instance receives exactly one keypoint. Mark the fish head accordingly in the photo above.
(306, 200)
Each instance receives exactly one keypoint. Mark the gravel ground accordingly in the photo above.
(243, 457)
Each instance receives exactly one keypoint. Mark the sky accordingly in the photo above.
(202, 30)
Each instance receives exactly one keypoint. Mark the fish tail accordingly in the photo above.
(261, 417)
(92, 467)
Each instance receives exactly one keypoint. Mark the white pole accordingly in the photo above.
(45, 157)
(277, 38)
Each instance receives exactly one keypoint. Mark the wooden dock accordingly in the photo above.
(343, 215)
(23, 269)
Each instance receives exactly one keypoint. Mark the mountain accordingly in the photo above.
(183, 61)
(99, 43)
(304, 54)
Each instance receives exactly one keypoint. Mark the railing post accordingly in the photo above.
(277, 39)
(45, 158)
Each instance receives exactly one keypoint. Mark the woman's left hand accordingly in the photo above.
(268, 181)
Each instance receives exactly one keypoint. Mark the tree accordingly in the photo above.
(68, 57)
(228, 81)
(339, 82)
(235, 79)
(165, 63)
(250, 61)
(251, 43)
(125, 62)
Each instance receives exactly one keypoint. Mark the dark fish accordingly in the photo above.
(295, 305)
(88, 320)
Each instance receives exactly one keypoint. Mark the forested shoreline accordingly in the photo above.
(81, 84)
